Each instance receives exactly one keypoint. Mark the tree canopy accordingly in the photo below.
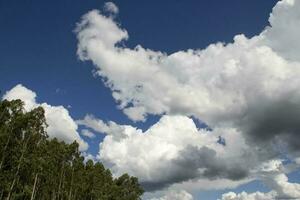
(32, 166)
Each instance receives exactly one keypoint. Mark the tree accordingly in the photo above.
(32, 166)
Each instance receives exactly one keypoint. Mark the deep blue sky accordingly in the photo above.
(38, 46)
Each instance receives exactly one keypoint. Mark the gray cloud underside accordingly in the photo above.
(246, 91)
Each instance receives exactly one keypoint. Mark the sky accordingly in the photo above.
(198, 99)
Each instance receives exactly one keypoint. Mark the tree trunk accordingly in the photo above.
(4, 150)
(34, 186)
(53, 194)
(74, 196)
(36, 189)
(15, 178)
(1, 194)
(60, 180)
(70, 192)
(18, 169)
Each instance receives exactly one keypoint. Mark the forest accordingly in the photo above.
(33, 166)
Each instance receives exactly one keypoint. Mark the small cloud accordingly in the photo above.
(87, 133)
(111, 8)
(175, 195)
(60, 91)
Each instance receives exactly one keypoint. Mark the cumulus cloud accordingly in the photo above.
(172, 151)
(60, 123)
(251, 196)
(273, 174)
(281, 189)
(247, 91)
(209, 84)
(20, 92)
(282, 35)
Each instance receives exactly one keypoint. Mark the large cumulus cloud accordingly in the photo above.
(174, 150)
(247, 90)
(213, 84)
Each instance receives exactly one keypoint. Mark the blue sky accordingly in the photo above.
(38, 45)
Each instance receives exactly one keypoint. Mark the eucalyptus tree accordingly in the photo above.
(32, 166)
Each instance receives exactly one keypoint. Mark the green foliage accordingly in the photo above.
(34, 167)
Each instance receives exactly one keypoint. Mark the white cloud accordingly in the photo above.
(284, 189)
(111, 8)
(272, 174)
(94, 24)
(175, 195)
(110, 128)
(60, 123)
(20, 92)
(163, 154)
(87, 133)
(283, 36)
(251, 196)
(88, 156)
(209, 84)
(281, 189)
(91, 122)
(246, 91)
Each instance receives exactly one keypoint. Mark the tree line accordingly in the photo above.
(34, 167)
